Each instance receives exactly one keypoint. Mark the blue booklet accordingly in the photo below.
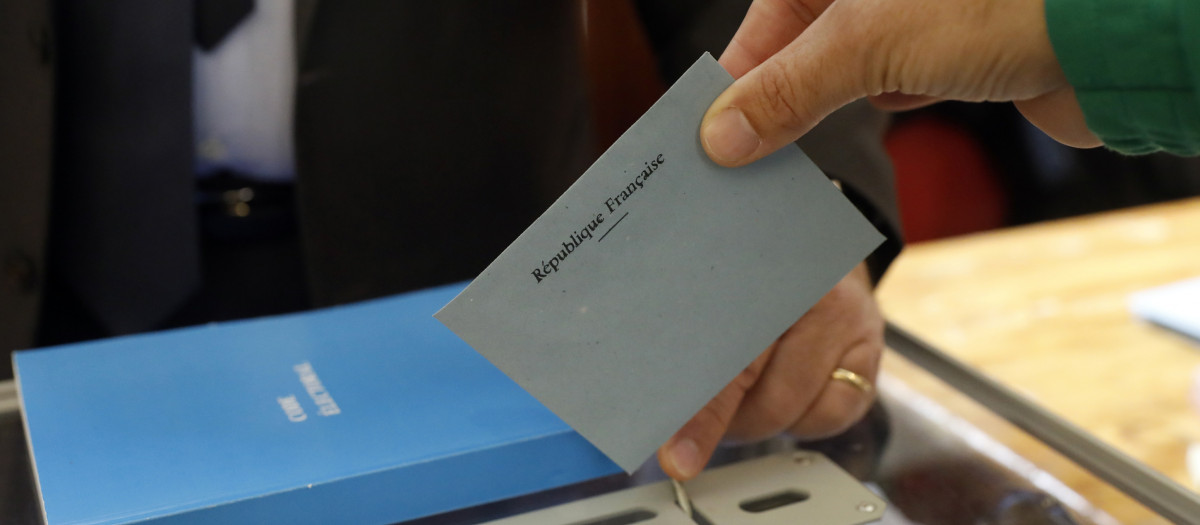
(369, 413)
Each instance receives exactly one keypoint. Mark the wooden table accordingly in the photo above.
(1043, 309)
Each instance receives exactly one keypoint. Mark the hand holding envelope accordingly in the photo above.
(659, 277)
(799, 60)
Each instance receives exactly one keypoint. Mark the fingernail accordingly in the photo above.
(729, 136)
(685, 456)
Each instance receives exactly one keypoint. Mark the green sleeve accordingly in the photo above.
(1135, 66)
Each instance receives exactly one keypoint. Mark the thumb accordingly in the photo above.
(785, 96)
(688, 451)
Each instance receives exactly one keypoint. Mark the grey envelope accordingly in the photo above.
(659, 275)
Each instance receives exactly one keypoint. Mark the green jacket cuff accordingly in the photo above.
(1134, 67)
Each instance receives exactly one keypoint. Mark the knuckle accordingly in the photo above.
(880, 41)
(779, 406)
(780, 96)
(779, 415)
(802, 11)
(715, 414)
(721, 408)
(746, 379)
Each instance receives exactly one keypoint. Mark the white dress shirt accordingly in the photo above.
(243, 97)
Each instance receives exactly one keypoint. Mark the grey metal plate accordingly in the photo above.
(657, 499)
(833, 496)
(720, 496)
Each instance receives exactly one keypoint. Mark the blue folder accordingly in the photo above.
(369, 413)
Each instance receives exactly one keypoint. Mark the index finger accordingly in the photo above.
(768, 27)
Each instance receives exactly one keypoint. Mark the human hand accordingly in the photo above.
(797, 61)
(790, 387)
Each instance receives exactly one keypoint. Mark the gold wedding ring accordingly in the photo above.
(853, 379)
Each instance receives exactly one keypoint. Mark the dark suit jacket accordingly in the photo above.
(26, 80)
(429, 134)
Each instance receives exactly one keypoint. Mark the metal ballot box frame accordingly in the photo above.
(949, 457)
(934, 464)
(797, 487)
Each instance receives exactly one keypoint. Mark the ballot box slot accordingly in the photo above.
(628, 517)
(773, 501)
(760, 491)
(699, 519)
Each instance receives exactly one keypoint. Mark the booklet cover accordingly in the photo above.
(370, 413)
(659, 275)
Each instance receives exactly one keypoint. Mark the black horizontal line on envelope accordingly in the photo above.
(610, 228)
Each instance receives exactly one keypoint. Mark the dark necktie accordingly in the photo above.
(215, 19)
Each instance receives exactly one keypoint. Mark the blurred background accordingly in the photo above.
(418, 139)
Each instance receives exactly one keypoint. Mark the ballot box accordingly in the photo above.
(374, 413)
